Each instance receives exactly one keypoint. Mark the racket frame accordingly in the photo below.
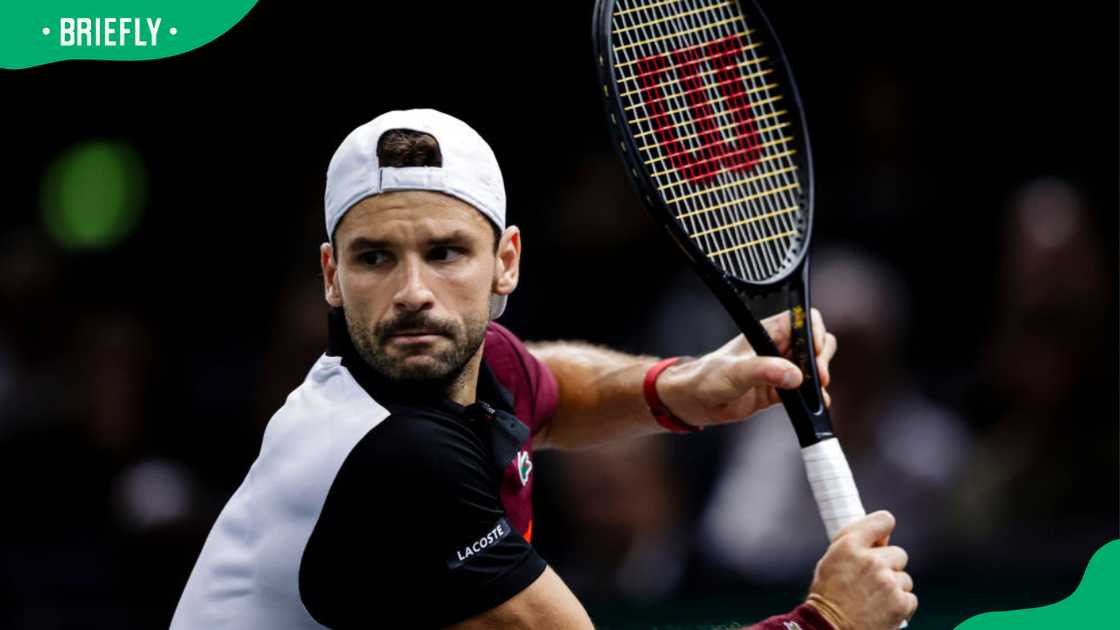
(805, 405)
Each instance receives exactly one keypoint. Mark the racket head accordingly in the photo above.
(706, 115)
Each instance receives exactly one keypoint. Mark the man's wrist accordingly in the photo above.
(653, 400)
(825, 609)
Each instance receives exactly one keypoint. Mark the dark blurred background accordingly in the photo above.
(160, 296)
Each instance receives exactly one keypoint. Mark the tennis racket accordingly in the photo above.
(705, 115)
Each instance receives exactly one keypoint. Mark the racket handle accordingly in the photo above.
(832, 484)
(833, 487)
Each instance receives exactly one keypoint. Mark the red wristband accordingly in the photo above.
(662, 414)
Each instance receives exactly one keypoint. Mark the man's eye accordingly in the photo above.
(373, 258)
(445, 254)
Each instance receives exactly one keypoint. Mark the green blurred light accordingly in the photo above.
(93, 194)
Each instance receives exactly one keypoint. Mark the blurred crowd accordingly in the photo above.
(976, 396)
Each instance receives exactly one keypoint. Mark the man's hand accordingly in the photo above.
(733, 382)
(860, 582)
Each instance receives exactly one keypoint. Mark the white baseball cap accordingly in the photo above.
(469, 171)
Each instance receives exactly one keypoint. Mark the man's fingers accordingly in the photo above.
(818, 329)
(778, 326)
(767, 371)
(870, 529)
(830, 347)
(894, 557)
(905, 582)
(825, 354)
(912, 604)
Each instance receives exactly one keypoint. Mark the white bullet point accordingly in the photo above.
(174, 31)
(46, 30)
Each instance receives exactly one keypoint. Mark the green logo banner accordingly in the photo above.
(36, 32)
(1092, 605)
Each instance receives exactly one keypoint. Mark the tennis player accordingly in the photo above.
(392, 489)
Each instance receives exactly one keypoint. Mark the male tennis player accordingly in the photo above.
(392, 489)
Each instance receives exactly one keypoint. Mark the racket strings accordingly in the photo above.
(718, 158)
(651, 66)
(707, 86)
(722, 128)
(702, 73)
(631, 62)
(704, 9)
(787, 188)
(752, 147)
(757, 234)
(697, 88)
(684, 124)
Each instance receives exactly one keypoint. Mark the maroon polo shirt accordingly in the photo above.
(533, 391)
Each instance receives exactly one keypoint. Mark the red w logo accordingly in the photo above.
(716, 153)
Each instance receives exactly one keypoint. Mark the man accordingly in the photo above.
(392, 488)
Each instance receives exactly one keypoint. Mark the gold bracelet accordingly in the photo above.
(828, 611)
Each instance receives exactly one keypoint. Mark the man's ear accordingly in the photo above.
(331, 290)
(507, 266)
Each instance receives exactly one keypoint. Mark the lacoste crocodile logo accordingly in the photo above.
(524, 466)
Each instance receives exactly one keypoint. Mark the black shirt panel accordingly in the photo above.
(413, 532)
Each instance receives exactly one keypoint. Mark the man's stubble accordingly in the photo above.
(441, 375)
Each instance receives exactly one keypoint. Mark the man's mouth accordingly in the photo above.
(418, 335)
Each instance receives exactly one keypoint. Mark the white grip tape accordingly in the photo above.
(832, 484)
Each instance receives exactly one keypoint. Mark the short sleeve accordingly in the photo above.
(413, 533)
(532, 384)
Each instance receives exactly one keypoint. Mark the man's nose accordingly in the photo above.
(413, 293)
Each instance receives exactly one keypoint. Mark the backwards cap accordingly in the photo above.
(469, 172)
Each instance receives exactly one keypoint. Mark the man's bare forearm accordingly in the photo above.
(600, 396)
(601, 390)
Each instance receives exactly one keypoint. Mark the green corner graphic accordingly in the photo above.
(37, 32)
(1092, 604)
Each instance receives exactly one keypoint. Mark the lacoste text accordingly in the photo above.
(477, 546)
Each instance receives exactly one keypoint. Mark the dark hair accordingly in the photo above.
(399, 148)
(403, 147)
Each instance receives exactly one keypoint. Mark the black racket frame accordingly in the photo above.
(805, 406)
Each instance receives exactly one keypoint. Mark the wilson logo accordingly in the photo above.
(717, 153)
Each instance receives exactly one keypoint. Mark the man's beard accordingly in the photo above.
(438, 376)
